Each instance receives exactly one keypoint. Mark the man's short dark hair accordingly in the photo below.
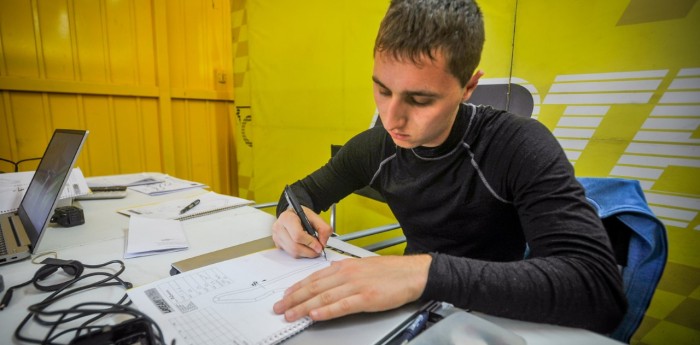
(412, 29)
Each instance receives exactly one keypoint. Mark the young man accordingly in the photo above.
(470, 185)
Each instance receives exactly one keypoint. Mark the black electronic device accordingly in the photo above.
(129, 332)
(68, 216)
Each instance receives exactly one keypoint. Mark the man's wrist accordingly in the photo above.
(421, 263)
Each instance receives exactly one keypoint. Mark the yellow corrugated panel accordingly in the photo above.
(55, 40)
(101, 145)
(119, 26)
(31, 124)
(114, 67)
(90, 46)
(202, 141)
(18, 43)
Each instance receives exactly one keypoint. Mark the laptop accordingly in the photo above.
(20, 232)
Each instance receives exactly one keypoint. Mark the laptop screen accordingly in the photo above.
(43, 191)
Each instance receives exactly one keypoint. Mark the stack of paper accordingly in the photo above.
(128, 180)
(149, 236)
(169, 184)
(147, 183)
(208, 203)
(14, 185)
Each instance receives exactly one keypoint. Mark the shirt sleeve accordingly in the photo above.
(570, 277)
(350, 169)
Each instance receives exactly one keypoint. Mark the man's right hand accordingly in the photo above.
(289, 235)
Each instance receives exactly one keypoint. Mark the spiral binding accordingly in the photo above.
(208, 212)
(288, 332)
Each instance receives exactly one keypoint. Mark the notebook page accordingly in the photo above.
(229, 302)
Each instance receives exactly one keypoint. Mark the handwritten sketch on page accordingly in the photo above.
(229, 302)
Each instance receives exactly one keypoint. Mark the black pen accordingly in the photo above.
(190, 206)
(292, 200)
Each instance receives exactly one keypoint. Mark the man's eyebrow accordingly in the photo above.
(376, 81)
(420, 93)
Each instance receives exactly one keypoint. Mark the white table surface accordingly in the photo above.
(102, 238)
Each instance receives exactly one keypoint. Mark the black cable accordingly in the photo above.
(62, 290)
(88, 313)
(16, 164)
(71, 267)
(57, 294)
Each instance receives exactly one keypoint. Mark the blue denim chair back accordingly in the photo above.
(621, 204)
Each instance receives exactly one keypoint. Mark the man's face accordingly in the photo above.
(417, 103)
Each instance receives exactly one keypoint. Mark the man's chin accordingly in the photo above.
(403, 144)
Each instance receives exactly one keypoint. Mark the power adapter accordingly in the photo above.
(68, 216)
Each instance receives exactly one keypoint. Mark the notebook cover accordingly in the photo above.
(222, 254)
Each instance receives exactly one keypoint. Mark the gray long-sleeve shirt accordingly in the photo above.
(499, 182)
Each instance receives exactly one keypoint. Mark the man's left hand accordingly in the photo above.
(356, 285)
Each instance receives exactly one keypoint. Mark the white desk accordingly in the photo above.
(102, 238)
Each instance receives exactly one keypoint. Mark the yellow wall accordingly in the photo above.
(150, 80)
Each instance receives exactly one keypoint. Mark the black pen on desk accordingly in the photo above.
(190, 206)
(292, 200)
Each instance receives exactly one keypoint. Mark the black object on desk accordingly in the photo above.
(106, 192)
(68, 216)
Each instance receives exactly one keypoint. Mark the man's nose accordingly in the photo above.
(394, 114)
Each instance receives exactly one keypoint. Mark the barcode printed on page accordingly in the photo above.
(158, 300)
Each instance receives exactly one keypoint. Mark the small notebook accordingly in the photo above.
(150, 236)
(229, 302)
(209, 203)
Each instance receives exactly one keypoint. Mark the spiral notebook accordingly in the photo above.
(229, 302)
(208, 203)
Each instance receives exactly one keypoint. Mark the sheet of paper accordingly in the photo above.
(149, 236)
(208, 202)
(168, 185)
(229, 302)
(76, 185)
(14, 185)
(125, 180)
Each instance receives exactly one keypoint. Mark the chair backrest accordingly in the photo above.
(639, 241)
(511, 97)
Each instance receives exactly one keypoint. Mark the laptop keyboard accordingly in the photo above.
(3, 246)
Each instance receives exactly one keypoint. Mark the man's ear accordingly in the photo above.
(471, 85)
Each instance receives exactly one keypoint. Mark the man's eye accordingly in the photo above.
(384, 92)
(420, 101)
